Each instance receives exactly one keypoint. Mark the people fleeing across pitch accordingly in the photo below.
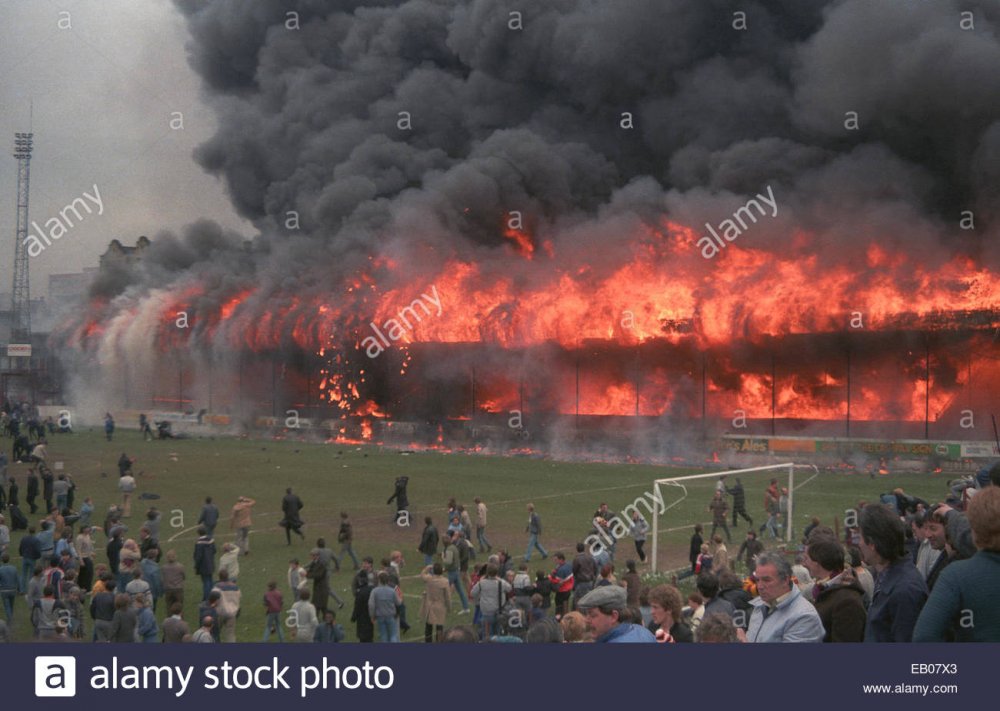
(291, 504)
(585, 573)
(490, 593)
(436, 602)
(772, 508)
(694, 550)
(303, 613)
(739, 501)
(209, 516)
(383, 604)
(428, 541)
(638, 529)
(273, 606)
(402, 515)
(126, 485)
(230, 600)
(481, 521)
(534, 531)
(320, 570)
(229, 561)
(345, 537)
(603, 522)
(450, 562)
(749, 550)
(47, 487)
(144, 429)
(124, 464)
(240, 520)
(720, 554)
(32, 490)
(719, 509)
(204, 560)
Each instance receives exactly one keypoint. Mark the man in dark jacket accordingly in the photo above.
(209, 517)
(30, 550)
(739, 503)
(534, 531)
(719, 509)
(114, 549)
(584, 573)
(345, 537)
(32, 490)
(402, 502)
(838, 596)
(362, 585)
(750, 549)
(102, 611)
(47, 487)
(731, 590)
(708, 587)
(428, 542)
(695, 549)
(291, 504)
(941, 536)
(900, 591)
(204, 561)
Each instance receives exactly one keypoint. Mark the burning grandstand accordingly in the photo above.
(474, 232)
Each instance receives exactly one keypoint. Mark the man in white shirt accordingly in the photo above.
(481, 513)
(126, 485)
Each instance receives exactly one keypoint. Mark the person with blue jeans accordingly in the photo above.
(382, 607)
(490, 593)
(273, 603)
(8, 585)
(481, 513)
(346, 539)
(428, 541)
(534, 531)
(450, 561)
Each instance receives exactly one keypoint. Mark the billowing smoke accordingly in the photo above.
(391, 138)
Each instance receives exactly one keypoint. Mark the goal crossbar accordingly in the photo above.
(678, 481)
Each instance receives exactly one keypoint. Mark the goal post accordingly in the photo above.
(678, 481)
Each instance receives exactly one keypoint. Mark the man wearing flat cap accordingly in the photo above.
(604, 608)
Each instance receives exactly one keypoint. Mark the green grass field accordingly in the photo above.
(334, 477)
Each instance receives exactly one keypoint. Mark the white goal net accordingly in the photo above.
(689, 496)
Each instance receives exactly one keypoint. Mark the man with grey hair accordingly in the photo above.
(604, 608)
(781, 613)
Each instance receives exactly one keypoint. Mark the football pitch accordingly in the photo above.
(333, 477)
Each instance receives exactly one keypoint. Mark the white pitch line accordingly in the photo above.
(179, 533)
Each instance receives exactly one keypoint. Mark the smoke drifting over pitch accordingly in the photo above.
(359, 214)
